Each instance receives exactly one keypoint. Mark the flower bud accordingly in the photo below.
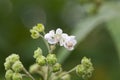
(56, 67)
(41, 60)
(17, 66)
(80, 69)
(17, 76)
(39, 27)
(86, 62)
(9, 74)
(34, 34)
(34, 68)
(51, 59)
(85, 69)
(12, 58)
(37, 52)
(7, 65)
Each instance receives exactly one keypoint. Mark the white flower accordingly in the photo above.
(58, 34)
(63, 39)
(53, 37)
(59, 31)
(50, 37)
(70, 42)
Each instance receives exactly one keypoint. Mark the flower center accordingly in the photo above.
(69, 44)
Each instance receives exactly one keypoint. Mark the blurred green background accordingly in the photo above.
(96, 24)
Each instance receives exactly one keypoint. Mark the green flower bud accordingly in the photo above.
(34, 34)
(9, 74)
(41, 60)
(34, 68)
(86, 62)
(80, 69)
(7, 65)
(51, 59)
(17, 76)
(56, 67)
(89, 72)
(17, 66)
(12, 58)
(37, 52)
(85, 69)
(39, 27)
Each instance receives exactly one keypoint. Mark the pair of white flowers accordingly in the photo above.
(54, 37)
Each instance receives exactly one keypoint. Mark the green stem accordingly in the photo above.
(46, 73)
(73, 69)
(41, 74)
(24, 75)
(46, 43)
(27, 73)
(49, 72)
(53, 47)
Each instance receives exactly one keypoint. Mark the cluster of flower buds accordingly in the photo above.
(13, 67)
(50, 59)
(49, 62)
(54, 37)
(35, 31)
(40, 59)
(85, 69)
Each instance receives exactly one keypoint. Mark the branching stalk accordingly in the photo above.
(27, 73)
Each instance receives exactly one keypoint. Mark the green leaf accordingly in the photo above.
(107, 12)
(114, 28)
